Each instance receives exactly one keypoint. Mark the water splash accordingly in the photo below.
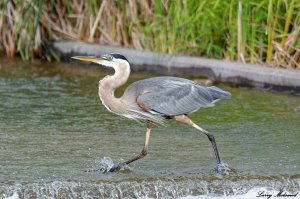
(222, 169)
(105, 164)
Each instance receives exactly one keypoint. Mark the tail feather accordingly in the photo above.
(218, 93)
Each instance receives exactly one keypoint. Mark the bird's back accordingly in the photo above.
(173, 96)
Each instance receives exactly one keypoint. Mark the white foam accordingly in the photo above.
(266, 193)
(14, 196)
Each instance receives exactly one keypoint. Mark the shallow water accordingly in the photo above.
(56, 137)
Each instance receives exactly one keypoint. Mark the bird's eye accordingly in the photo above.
(109, 57)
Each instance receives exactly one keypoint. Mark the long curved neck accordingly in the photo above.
(108, 85)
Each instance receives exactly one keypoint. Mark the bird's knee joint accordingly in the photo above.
(144, 152)
(210, 136)
(149, 124)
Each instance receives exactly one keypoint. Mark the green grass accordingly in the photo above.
(270, 29)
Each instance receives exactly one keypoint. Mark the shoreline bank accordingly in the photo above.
(232, 73)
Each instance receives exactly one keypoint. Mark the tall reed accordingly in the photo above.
(256, 31)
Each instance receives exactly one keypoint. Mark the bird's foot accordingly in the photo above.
(116, 168)
(222, 169)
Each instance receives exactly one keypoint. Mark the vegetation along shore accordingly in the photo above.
(258, 31)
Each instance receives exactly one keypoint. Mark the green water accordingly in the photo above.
(55, 132)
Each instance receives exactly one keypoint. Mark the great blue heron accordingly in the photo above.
(154, 100)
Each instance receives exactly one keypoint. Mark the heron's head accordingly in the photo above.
(113, 60)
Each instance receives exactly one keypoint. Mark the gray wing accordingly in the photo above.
(176, 96)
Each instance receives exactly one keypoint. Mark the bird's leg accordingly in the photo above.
(185, 120)
(142, 154)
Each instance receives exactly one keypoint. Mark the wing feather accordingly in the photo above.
(177, 96)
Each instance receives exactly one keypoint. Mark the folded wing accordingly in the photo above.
(177, 96)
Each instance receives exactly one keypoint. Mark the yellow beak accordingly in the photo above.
(88, 58)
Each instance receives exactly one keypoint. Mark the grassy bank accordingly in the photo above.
(257, 31)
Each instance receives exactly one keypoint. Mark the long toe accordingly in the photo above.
(117, 167)
(114, 168)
